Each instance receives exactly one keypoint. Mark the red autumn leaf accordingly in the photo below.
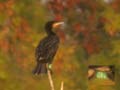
(58, 17)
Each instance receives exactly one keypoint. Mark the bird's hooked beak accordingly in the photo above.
(57, 24)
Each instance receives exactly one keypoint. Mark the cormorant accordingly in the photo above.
(47, 48)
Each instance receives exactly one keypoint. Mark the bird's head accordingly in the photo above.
(53, 24)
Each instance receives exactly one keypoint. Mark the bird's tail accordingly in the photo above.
(40, 68)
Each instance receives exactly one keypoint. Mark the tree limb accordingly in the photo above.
(62, 85)
(50, 80)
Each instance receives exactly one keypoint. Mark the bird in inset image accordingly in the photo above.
(47, 48)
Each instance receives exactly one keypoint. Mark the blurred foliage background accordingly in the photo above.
(91, 37)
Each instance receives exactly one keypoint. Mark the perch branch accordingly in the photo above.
(62, 85)
(50, 80)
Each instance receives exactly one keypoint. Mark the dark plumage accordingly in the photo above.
(47, 48)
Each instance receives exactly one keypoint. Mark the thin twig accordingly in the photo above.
(50, 80)
(62, 85)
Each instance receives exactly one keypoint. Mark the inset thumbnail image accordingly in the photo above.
(101, 72)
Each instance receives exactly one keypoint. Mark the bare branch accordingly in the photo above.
(50, 80)
(62, 85)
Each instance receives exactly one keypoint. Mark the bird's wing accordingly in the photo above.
(52, 49)
(41, 49)
(46, 49)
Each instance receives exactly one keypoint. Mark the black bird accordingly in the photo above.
(47, 48)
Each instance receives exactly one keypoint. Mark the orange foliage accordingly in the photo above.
(61, 35)
(10, 12)
(115, 5)
(112, 32)
(9, 3)
(77, 28)
(70, 3)
(25, 26)
(4, 45)
(58, 17)
(104, 20)
(14, 33)
(91, 19)
(1, 6)
(58, 69)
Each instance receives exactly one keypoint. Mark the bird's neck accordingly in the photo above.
(50, 32)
